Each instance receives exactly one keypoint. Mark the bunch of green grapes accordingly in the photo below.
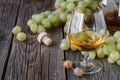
(46, 20)
(84, 6)
(43, 21)
(65, 8)
(89, 6)
(112, 44)
(111, 48)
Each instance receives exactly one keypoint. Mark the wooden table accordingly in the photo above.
(31, 61)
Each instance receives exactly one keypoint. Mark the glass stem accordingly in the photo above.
(86, 63)
(86, 57)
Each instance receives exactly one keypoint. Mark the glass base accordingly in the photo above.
(91, 66)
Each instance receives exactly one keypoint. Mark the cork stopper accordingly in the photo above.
(44, 38)
(47, 41)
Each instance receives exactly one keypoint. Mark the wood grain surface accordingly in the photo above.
(30, 60)
(8, 17)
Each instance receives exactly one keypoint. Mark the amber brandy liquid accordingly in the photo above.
(113, 21)
(86, 40)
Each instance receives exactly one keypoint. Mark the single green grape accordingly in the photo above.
(34, 16)
(65, 45)
(16, 30)
(39, 18)
(46, 23)
(21, 36)
(105, 50)
(63, 5)
(47, 13)
(33, 28)
(116, 35)
(63, 17)
(41, 29)
(92, 54)
(114, 55)
(30, 22)
(52, 18)
(100, 53)
(110, 40)
(111, 47)
(71, 6)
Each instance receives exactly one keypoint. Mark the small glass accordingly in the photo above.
(87, 33)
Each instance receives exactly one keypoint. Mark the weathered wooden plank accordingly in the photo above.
(52, 65)
(8, 14)
(24, 62)
(56, 70)
(29, 60)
